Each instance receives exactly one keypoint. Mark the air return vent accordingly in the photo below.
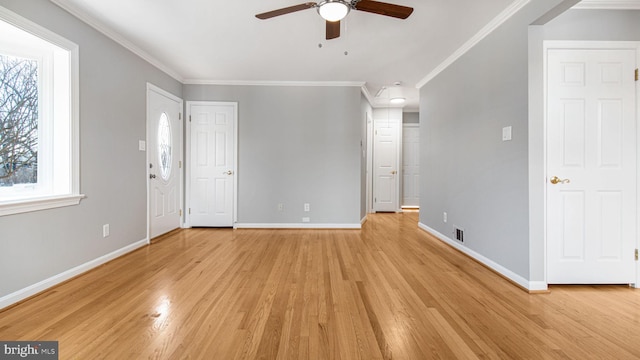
(459, 233)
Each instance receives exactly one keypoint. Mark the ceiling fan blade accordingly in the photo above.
(287, 10)
(333, 29)
(381, 8)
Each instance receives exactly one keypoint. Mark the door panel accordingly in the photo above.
(591, 148)
(573, 222)
(212, 169)
(572, 137)
(164, 154)
(609, 234)
(385, 158)
(610, 133)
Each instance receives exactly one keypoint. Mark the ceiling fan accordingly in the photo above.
(335, 10)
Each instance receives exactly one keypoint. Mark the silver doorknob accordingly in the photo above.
(556, 180)
(152, 176)
(228, 172)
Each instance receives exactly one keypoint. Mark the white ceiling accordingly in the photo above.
(216, 41)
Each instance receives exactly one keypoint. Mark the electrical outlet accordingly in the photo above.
(280, 206)
(306, 207)
(306, 219)
(105, 230)
(444, 216)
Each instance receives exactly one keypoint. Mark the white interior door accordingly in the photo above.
(164, 156)
(386, 163)
(591, 166)
(212, 163)
(411, 165)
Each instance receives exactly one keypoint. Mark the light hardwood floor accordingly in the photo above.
(388, 291)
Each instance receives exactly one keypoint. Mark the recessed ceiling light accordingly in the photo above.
(398, 100)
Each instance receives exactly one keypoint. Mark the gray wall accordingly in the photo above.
(596, 25)
(296, 145)
(37, 245)
(481, 182)
(410, 118)
(618, 25)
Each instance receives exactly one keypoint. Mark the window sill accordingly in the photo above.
(43, 203)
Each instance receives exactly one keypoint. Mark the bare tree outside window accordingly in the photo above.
(18, 121)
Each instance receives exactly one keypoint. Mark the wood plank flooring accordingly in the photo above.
(388, 291)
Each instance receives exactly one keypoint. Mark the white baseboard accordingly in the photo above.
(528, 285)
(296, 226)
(363, 220)
(64, 276)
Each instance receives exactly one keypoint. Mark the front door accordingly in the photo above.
(164, 144)
(212, 166)
(591, 166)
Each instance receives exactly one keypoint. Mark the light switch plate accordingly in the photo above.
(506, 133)
(142, 145)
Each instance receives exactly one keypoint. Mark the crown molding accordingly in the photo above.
(365, 91)
(505, 15)
(272, 83)
(607, 5)
(113, 35)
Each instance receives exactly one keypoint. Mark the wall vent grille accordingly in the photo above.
(459, 233)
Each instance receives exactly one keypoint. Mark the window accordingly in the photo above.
(38, 117)
(164, 146)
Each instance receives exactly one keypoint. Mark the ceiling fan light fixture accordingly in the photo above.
(333, 10)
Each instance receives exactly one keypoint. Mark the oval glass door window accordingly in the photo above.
(164, 146)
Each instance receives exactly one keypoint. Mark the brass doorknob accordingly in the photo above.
(556, 180)
(394, 172)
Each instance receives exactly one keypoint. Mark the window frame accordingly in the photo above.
(55, 198)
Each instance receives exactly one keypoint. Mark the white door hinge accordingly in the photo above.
(179, 116)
